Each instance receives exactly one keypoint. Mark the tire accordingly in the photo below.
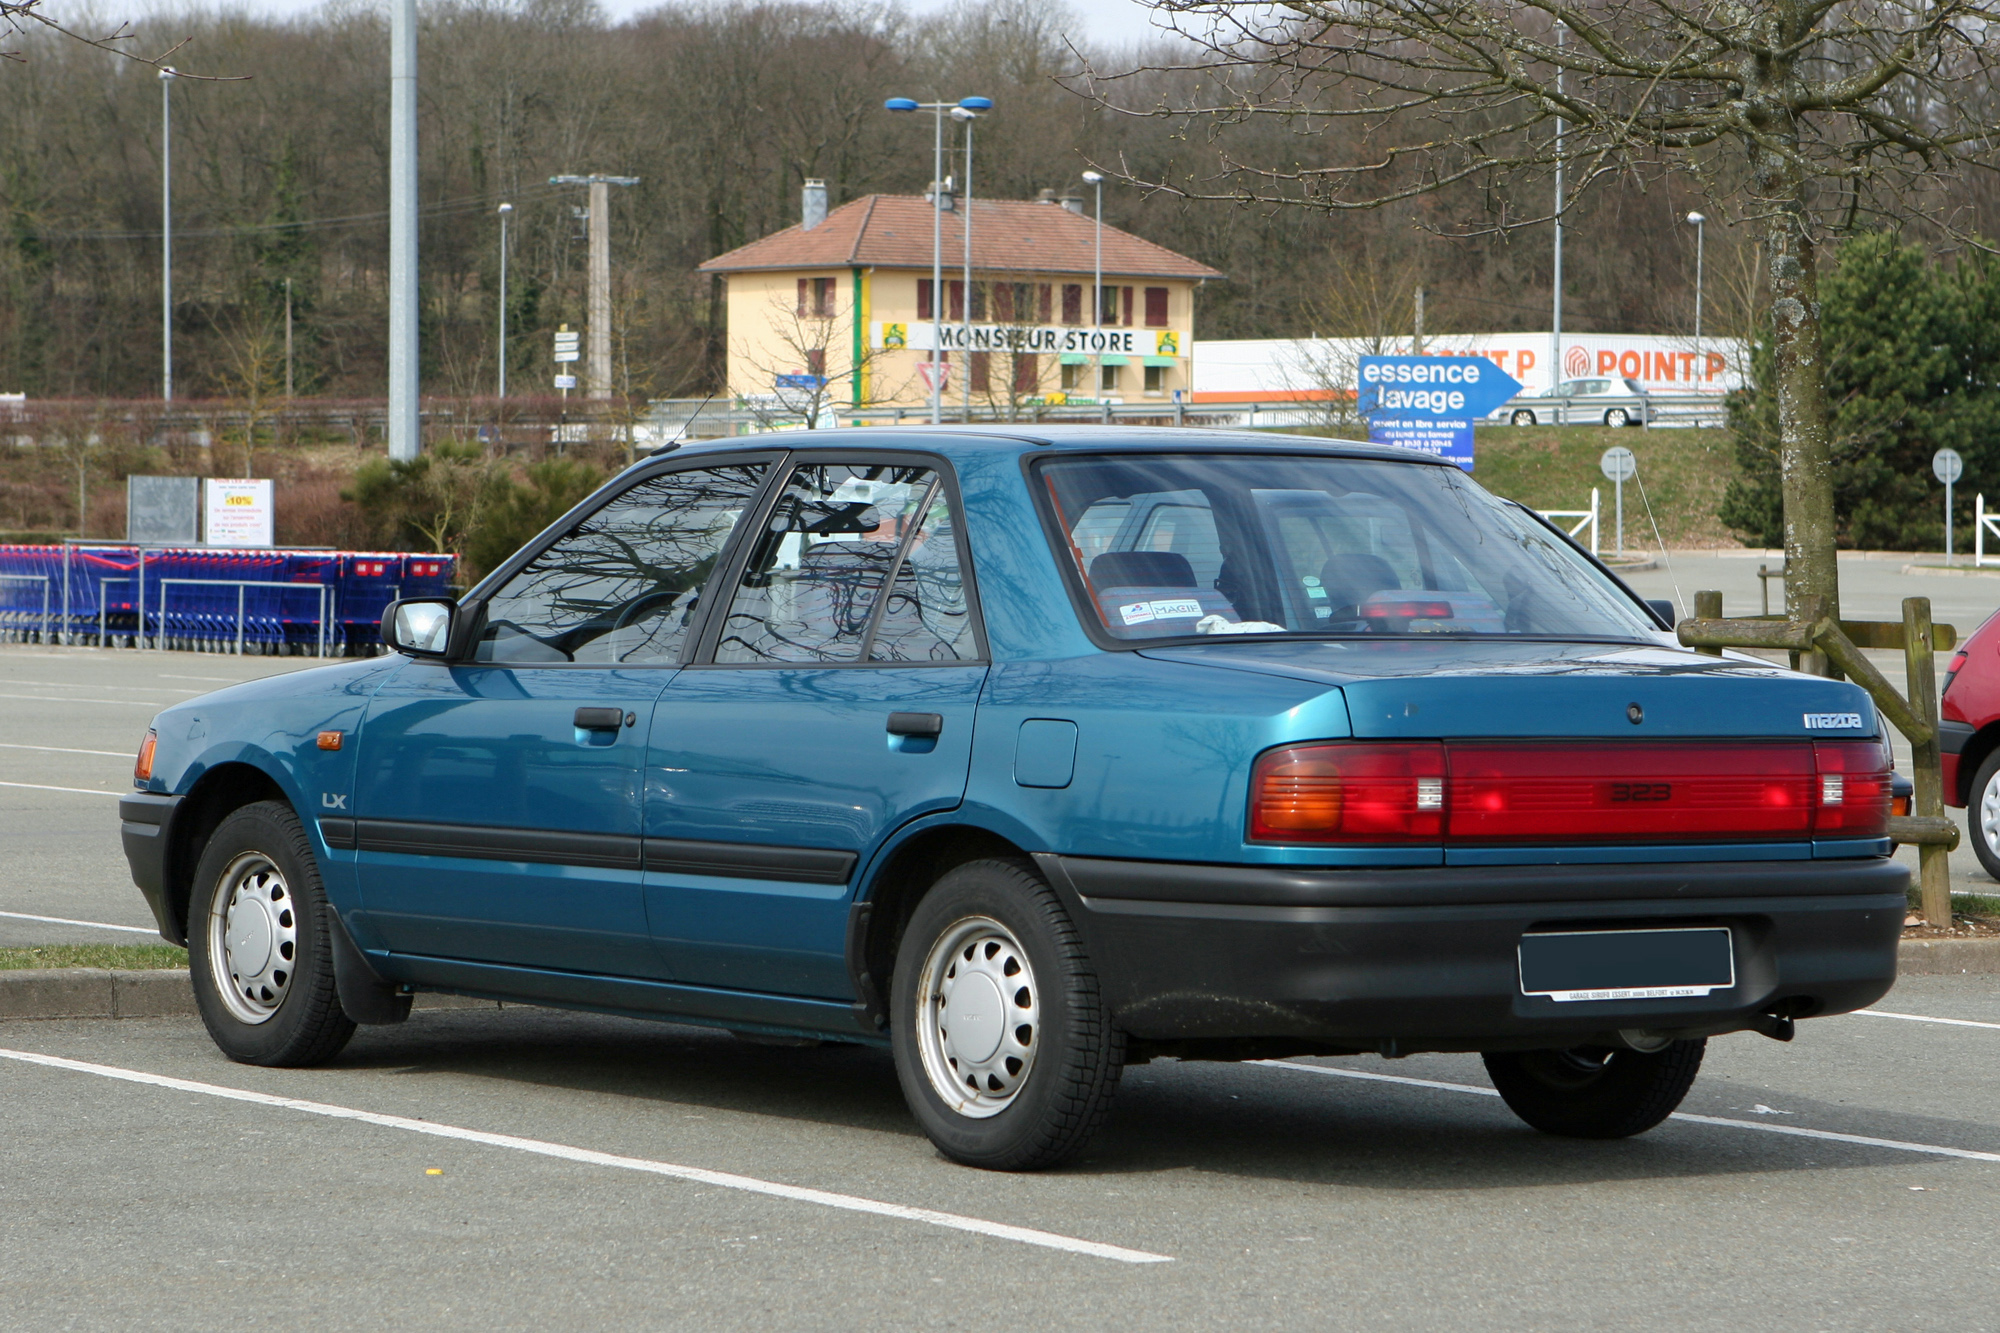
(1982, 814)
(1596, 1092)
(1042, 1062)
(1617, 416)
(1522, 417)
(257, 905)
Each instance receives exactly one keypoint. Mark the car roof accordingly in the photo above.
(1039, 438)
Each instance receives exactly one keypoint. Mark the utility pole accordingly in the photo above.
(597, 364)
(405, 429)
(288, 341)
(1556, 279)
(505, 209)
(167, 233)
(1417, 346)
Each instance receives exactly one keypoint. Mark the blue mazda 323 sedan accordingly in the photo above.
(1033, 754)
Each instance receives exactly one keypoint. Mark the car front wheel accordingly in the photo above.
(1522, 417)
(1983, 814)
(1617, 416)
(258, 948)
(1596, 1092)
(1002, 1043)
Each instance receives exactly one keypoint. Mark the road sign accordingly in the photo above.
(565, 381)
(567, 345)
(1947, 466)
(943, 369)
(1618, 464)
(1428, 403)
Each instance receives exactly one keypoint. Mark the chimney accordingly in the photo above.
(813, 204)
(946, 200)
(1073, 202)
(1046, 197)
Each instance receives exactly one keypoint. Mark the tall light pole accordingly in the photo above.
(405, 431)
(939, 309)
(597, 361)
(965, 116)
(167, 234)
(1556, 281)
(1096, 178)
(1697, 219)
(505, 209)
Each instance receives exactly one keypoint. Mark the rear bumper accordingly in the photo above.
(1426, 959)
(145, 826)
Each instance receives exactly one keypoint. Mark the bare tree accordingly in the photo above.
(804, 359)
(1799, 116)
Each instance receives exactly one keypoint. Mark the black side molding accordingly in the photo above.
(750, 860)
(609, 851)
(338, 832)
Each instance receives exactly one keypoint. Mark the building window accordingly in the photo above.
(816, 361)
(1003, 302)
(1156, 308)
(1107, 305)
(816, 298)
(1072, 303)
(979, 303)
(1156, 379)
(1072, 376)
(1027, 372)
(982, 371)
(1107, 379)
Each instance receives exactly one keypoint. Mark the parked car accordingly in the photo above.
(1615, 402)
(1032, 753)
(1969, 737)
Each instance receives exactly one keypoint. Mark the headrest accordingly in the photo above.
(1142, 569)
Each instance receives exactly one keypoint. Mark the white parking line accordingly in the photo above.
(65, 921)
(42, 786)
(64, 749)
(723, 1179)
(1925, 1018)
(70, 685)
(1793, 1130)
(71, 699)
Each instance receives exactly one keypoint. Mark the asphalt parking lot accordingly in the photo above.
(514, 1167)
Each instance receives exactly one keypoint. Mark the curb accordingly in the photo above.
(1956, 572)
(88, 992)
(91, 992)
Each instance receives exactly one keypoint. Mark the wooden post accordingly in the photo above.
(1933, 863)
(1708, 606)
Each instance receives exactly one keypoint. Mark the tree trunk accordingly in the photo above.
(1804, 438)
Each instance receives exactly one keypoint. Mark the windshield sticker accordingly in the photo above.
(1833, 721)
(1137, 614)
(1174, 608)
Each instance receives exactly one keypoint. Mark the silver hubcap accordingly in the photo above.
(253, 935)
(1989, 812)
(980, 1019)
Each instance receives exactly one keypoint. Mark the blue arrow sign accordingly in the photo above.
(1428, 403)
(1441, 387)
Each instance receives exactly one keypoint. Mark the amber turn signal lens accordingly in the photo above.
(329, 740)
(142, 769)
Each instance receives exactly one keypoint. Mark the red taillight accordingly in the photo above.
(1594, 792)
(1855, 788)
(1349, 793)
(1406, 611)
(142, 768)
(1570, 791)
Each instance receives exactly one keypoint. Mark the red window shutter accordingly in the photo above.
(924, 301)
(1042, 302)
(1003, 302)
(979, 300)
(816, 361)
(1156, 307)
(1027, 372)
(982, 371)
(802, 294)
(1128, 308)
(1072, 303)
(957, 290)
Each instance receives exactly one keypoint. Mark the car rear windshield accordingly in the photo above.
(1169, 546)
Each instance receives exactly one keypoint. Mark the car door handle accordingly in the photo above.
(916, 724)
(601, 719)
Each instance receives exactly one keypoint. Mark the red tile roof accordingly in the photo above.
(1008, 235)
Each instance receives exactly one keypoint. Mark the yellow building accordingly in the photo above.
(839, 312)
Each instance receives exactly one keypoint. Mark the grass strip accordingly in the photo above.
(124, 957)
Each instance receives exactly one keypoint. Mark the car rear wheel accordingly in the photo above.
(1596, 1092)
(258, 948)
(1002, 1043)
(1617, 416)
(1983, 814)
(1522, 417)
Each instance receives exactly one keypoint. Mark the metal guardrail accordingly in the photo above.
(1588, 517)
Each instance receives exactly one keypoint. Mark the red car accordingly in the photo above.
(1969, 736)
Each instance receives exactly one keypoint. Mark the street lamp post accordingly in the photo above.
(166, 234)
(505, 210)
(1697, 219)
(938, 307)
(1096, 178)
(966, 115)
(1556, 276)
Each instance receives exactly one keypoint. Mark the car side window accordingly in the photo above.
(812, 590)
(623, 586)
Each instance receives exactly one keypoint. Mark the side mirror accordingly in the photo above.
(1664, 609)
(419, 626)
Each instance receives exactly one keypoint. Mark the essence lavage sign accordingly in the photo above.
(1428, 403)
(237, 513)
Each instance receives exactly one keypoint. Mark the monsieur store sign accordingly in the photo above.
(1053, 339)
